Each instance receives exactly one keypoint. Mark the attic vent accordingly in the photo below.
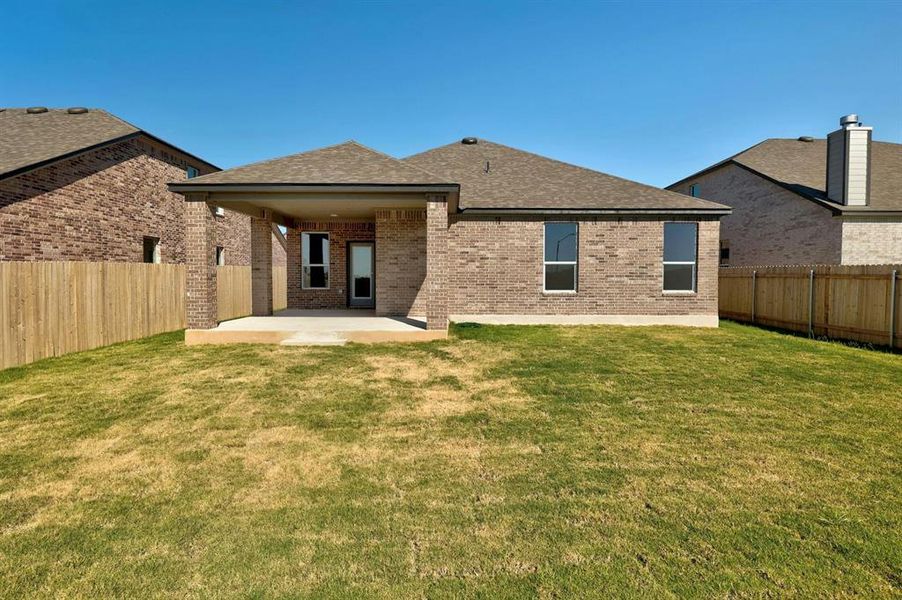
(77, 110)
(36, 110)
(469, 141)
(806, 138)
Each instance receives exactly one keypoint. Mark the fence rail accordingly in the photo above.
(855, 302)
(53, 308)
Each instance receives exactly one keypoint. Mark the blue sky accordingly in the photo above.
(650, 91)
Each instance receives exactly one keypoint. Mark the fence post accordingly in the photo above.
(754, 289)
(811, 303)
(892, 309)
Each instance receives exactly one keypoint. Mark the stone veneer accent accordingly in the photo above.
(200, 261)
(400, 261)
(98, 206)
(340, 233)
(769, 225)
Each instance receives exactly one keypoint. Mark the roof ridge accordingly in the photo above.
(275, 158)
(395, 159)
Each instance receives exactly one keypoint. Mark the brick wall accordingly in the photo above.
(400, 261)
(769, 225)
(496, 267)
(871, 241)
(340, 233)
(99, 206)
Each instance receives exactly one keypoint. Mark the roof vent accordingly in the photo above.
(36, 110)
(77, 110)
(469, 141)
(849, 121)
(806, 138)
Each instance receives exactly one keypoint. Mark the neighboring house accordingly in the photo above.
(471, 231)
(83, 185)
(808, 201)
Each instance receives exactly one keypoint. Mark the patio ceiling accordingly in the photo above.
(317, 205)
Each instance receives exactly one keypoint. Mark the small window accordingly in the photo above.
(152, 250)
(694, 190)
(220, 256)
(724, 253)
(315, 260)
(560, 257)
(192, 172)
(220, 211)
(680, 248)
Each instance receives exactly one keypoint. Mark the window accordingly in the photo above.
(695, 190)
(724, 253)
(220, 256)
(152, 250)
(315, 260)
(680, 250)
(560, 257)
(191, 172)
(220, 211)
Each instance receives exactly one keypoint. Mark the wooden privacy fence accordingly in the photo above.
(855, 302)
(233, 288)
(53, 308)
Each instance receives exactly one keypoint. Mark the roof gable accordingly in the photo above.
(801, 167)
(494, 176)
(349, 163)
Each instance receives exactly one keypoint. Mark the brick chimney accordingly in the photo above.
(849, 163)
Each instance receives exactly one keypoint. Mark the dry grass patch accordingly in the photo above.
(505, 461)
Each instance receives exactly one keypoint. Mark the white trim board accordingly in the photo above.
(710, 320)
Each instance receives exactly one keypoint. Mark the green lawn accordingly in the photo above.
(506, 461)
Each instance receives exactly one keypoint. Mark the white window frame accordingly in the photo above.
(694, 263)
(188, 172)
(326, 258)
(220, 256)
(575, 263)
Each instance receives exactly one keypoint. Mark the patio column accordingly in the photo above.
(200, 260)
(261, 264)
(293, 258)
(436, 261)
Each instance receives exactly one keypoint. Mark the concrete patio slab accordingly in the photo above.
(316, 328)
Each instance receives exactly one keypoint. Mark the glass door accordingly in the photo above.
(361, 283)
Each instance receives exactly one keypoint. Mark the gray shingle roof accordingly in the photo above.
(29, 139)
(493, 176)
(349, 163)
(802, 167)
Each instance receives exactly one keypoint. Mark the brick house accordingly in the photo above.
(83, 185)
(808, 201)
(470, 231)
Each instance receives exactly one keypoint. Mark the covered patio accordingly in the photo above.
(367, 241)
